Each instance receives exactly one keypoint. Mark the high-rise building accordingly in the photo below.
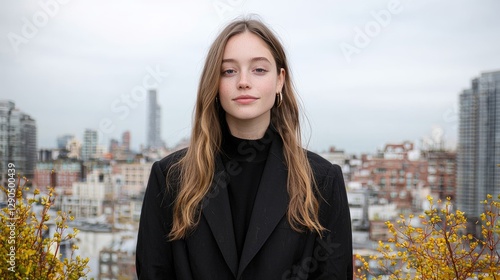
(6, 108)
(479, 143)
(18, 141)
(89, 147)
(154, 122)
(28, 144)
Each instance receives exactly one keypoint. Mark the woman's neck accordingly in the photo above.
(249, 130)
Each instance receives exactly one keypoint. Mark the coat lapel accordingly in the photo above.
(217, 212)
(270, 204)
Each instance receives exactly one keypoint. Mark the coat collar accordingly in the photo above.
(270, 206)
(217, 212)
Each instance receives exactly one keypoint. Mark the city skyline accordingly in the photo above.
(367, 73)
(90, 146)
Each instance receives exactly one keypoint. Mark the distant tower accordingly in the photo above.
(479, 143)
(154, 122)
(89, 148)
(29, 145)
(126, 140)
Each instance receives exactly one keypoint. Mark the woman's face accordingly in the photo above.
(249, 81)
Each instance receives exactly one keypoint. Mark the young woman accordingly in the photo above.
(245, 200)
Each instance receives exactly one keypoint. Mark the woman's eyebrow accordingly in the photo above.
(259, 58)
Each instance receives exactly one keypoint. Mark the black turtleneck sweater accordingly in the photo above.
(244, 161)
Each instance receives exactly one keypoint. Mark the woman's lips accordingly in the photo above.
(245, 99)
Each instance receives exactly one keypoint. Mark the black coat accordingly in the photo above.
(272, 249)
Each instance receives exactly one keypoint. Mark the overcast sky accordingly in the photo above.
(368, 72)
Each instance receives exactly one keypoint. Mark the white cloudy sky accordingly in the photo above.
(69, 72)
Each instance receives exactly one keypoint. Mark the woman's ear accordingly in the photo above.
(281, 80)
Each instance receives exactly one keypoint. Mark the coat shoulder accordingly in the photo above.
(326, 174)
(322, 167)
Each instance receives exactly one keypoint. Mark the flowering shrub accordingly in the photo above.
(27, 248)
(440, 248)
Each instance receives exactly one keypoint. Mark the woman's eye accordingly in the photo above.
(260, 70)
(228, 72)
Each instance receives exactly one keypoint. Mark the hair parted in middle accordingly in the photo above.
(195, 171)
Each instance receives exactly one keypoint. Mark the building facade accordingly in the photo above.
(121, 151)
(18, 141)
(135, 177)
(478, 150)
(60, 174)
(442, 172)
(88, 198)
(394, 175)
(28, 145)
(117, 261)
(153, 140)
(89, 147)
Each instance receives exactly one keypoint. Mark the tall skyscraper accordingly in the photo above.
(28, 144)
(479, 143)
(18, 141)
(154, 122)
(6, 108)
(89, 147)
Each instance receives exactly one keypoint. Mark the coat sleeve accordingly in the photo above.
(333, 252)
(154, 251)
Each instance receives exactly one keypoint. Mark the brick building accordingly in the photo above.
(66, 172)
(442, 173)
(396, 175)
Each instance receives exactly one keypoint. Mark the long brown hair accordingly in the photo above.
(195, 171)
